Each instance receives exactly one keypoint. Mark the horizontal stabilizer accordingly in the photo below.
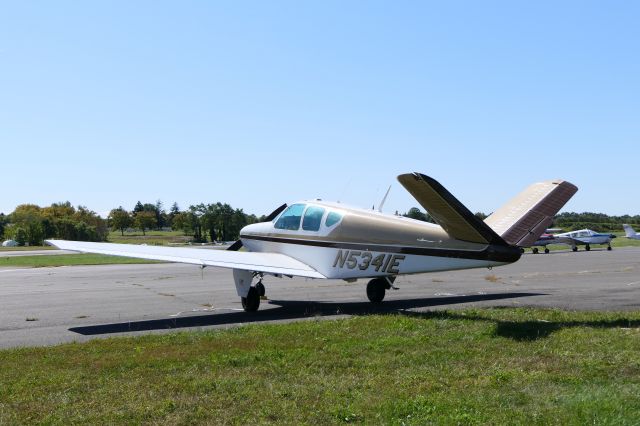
(524, 219)
(447, 211)
(272, 263)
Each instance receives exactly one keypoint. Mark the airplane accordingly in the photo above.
(322, 240)
(543, 241)
(630, 232)
(585, 237)
(549, 238)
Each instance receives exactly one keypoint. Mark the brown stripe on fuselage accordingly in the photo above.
(487, 252)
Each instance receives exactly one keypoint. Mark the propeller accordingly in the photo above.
(238, 244)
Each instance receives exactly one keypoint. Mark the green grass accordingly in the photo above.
(29, 248)
(41, 261)
(496, 366)
(162, 238)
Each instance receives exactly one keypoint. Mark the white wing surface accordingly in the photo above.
(272, 263)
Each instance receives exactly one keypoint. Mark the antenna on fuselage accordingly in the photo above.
(384, 199)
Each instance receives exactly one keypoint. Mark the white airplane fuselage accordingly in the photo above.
(587, 236)
(366, 243)
(630, 232)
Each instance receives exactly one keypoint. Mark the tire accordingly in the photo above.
(261, 289)
(546, 251)
(587, 247)
(574, 249)
(609, 248)
(376, 289)
(252, 301)
(534, 250)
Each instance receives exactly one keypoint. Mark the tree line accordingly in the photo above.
(204, 222)
(568, 221)
(30, 224)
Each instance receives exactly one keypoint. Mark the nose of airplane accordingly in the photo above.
(254, 228)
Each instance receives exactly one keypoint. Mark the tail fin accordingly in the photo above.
(450, 213)
(523, 219)
(629, 231)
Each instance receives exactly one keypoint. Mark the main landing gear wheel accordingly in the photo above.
(587, 247)
(546, 250)
(252, 301)
(574, 248)
(260, 288)
(608, 247)
(534, 250)
(376, 289)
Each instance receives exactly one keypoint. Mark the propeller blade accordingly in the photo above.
(235, 246)
(275, 213)
(238, 244)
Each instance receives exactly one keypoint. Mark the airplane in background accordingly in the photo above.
(585, 237)
(316, 239)
(630, 232)
(548, 238)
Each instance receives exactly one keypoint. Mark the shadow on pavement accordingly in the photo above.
(290, 310)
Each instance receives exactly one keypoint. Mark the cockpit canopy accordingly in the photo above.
(309, 215)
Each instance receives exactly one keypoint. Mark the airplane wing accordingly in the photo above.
(451, 214)
(272, 263)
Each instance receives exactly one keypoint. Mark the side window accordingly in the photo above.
(290, 219)
(332, 219)
(312, 218)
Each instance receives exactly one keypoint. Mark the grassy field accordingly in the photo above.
(42, 261)
(496, 366)
(161, 238)
(29, 248)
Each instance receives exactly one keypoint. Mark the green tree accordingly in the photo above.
(120, 219)
(161, 215)
(210, 219)
(29, 218)
(145, 220)
(3, 223)
(194, 215)
(225, 214)
(172, 214)
(416, 213)
(19, 235)
(138, 208)
(182, 222)
(92, 220)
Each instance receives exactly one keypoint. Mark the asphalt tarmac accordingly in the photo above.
(47, 306)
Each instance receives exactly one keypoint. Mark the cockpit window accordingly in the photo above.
(312, 218)
(291, 217)
(332, 219)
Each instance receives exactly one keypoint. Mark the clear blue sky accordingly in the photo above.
(258, 103)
